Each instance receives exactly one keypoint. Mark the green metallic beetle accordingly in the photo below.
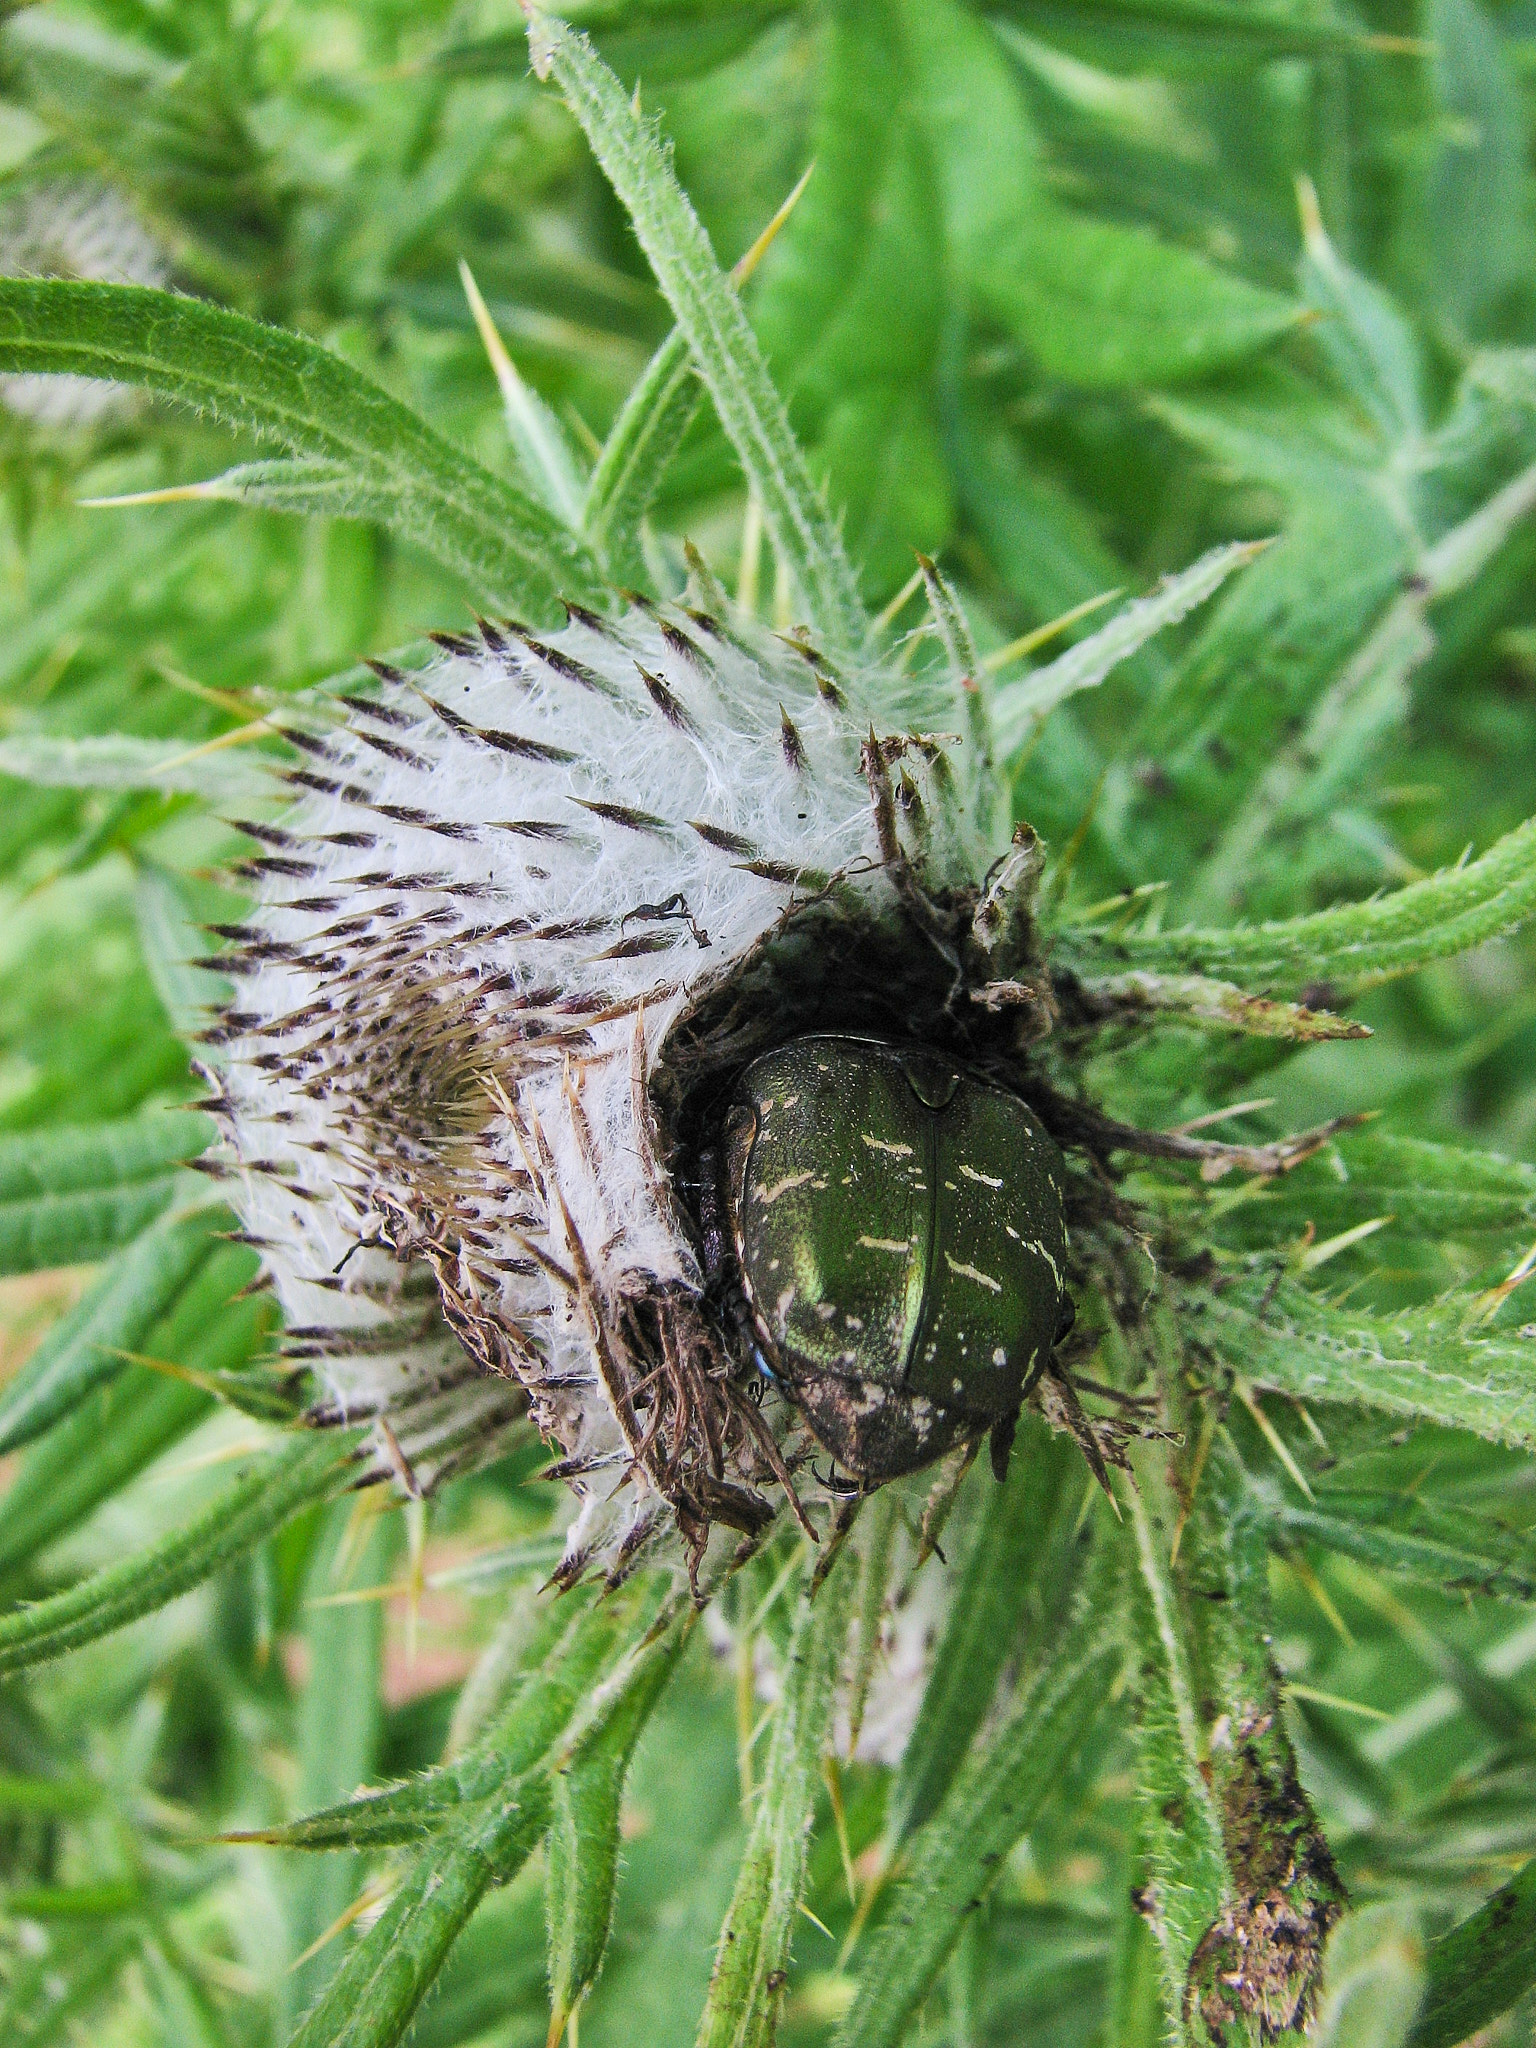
(895, 1224)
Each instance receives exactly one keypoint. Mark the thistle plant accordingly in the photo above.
(437, 987)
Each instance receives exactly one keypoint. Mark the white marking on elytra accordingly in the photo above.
(965, 1272)
(897, 1151)
(999, 1356)
(887, 1244)
(1035, 1244)
(782, 1306)
(987, 1180)
(768, 1196)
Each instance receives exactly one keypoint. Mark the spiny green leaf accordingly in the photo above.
(1188, 1884)
(1356, 943)
(1436, 1363)
(1439, 1192)
(85, 1346)
(582, 1849)
(575, 1645)
(373, 1996)
(1019, 706)
(751, 1964)
(874, 1543)
(1480, 1968)
(996, 1796)
(1271, 1839)
(1212, 1005)
(72, 1194)
(288, 1476)
(283, 388)
(1368, 698)
(645, 437)
(708, 312)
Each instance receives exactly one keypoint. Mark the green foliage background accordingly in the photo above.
(1046, 310)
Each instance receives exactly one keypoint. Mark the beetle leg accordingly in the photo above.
(770, 1449)
(842, 1521)
(1065, 1412)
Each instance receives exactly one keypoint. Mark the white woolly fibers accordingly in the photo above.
(497, 891)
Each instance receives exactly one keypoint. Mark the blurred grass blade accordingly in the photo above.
(294, 1472)
(120, 1427)
(1354, 1531)
(1365, 339)
(85, 1346)
(533, 429)
(1374, 1981)
(746, 1990)
(73, 1194)
(1356, 943)
(373, 1997)
(995, 1586)
(283, 388)
(171, 939)
(708, 312)
(1480, 1968)
(582, 1849)
(340, 1716)
(996, 1797)
(47, 1996)
(1018, 707)
(221, 774)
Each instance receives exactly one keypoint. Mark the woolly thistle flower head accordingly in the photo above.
(532, 906)
(74, 228)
